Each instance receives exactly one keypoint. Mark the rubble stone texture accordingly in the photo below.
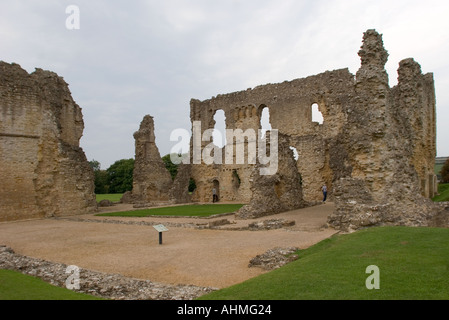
(99, 284)
(275, 193)
(274, 258)
(151, 180)
(44, 172)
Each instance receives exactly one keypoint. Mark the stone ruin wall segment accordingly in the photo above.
(376, 144)
(375, 149)
(290, 104)
(44, 171)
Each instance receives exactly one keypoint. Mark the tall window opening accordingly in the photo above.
(317, 116)
(265, 120)
(219, 133)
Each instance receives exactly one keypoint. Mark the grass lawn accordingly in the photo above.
(17, 286)
(443, 190)
(111, 197)
(204, 210)
(413, 265)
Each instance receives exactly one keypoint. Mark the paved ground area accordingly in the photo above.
(210, 258)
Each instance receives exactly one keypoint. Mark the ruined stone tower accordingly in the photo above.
(44, 172)
(388, 145)
(151, 180)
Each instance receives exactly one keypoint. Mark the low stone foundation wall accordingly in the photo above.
(104, 285)
(274, 258)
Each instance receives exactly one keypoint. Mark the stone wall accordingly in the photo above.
(44, 171)
(275, 193)
(100, 284)
(375, 149)
(388, 144)
(151, 180)
(290, 105)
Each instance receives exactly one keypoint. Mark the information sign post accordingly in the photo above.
(160, 228)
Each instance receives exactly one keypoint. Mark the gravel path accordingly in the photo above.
(193, 256)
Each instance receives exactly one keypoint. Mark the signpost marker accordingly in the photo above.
(160, 228)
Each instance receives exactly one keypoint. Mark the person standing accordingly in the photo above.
(324, 189)
(214, 195)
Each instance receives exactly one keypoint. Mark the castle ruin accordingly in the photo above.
(44, 172)
(375, 149)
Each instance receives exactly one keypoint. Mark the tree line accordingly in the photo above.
(118, 178)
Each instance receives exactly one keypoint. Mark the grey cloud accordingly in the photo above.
(135, 58)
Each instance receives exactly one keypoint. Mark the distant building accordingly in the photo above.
(441, 160)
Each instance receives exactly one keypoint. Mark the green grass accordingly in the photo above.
(413, 263)
(111, 197)
(17, 286)
(443, 190)
(204, 210)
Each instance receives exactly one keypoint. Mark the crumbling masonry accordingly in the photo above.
(375, 149)
(152, 183)
(43, 170)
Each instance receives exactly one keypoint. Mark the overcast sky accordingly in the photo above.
(133, 58)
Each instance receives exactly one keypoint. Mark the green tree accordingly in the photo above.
(101, 182)
(171, 167)
(95, 165)
(120, 176)
(445, 172)
(101, 178)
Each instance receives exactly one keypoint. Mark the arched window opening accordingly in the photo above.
(219, 133)
(265, 121)
(317, 116)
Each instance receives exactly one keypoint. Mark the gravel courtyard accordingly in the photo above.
(189, 255)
